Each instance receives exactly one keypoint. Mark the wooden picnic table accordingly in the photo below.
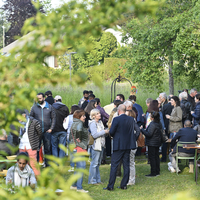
(191, 146)
(7, 162)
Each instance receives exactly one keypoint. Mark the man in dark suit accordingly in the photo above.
(191, 96)
(124, 139)
(166, 110)
(186, 134)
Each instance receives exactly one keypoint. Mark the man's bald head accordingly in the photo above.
(187, 123)
(121, 109)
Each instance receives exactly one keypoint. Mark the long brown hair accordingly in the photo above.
(153, 106)
(131, 113)
(78, 113)
(90, 106)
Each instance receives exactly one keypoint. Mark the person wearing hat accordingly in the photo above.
(21, 173)
(59, 134)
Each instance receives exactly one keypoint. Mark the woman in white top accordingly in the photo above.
(67, 123)
(21, 174)
(97, 131)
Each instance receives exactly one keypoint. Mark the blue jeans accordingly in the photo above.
(79, 165)
(94, 173)
(56, 139)
(171, 136)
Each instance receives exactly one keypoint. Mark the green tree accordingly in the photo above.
(100, 48)
(24, 71)
(186, 49)
(154, 43)
(5, 24)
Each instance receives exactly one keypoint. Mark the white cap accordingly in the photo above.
(57, 97)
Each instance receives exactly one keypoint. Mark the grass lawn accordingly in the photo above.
(167, 186)
(146, 188)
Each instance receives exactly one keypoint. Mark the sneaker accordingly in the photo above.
(150, 175)
(169, 164)
(71, 169)
(82, 190)
(41, 163)
(158, 174)
(171, 169)
(73, 188)
(59, 191)
(129, 183)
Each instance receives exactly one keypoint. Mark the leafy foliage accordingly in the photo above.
(51, 179)
(158, 44)
(100, 49)
(24, 70)
(6, 25)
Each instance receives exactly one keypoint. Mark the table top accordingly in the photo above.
(191, 146)
(8, 161)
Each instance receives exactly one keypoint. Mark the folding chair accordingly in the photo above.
(180, 144)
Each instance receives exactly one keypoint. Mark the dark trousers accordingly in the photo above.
(108, 146)
(115, 160)
(164, 152)
(153, 153)
(139, 151)
(119, 172)
(46, 138)
(47, 146)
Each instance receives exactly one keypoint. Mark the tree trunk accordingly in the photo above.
(171, 79)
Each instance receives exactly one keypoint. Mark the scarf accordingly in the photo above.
(100, 141)
(148, 120)
(21, 178)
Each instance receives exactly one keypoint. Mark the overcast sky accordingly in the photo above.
(55, 3)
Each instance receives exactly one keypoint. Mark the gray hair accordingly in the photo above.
(193, 90)
(128, 103)
(170, 96)
(158, 99)
(93, 113)
(164, 95)
(149, 100)
(183, 95)
(187, 123)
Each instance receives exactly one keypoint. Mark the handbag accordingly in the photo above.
(91, 140)
(164, 137)
(141, 140)
(78, 149)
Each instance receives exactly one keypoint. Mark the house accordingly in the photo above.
(51, 60)
(118, 34)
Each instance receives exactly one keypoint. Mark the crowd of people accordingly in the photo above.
(114, 130)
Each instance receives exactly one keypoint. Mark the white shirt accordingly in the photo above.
(43, 105)
(24, 142)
